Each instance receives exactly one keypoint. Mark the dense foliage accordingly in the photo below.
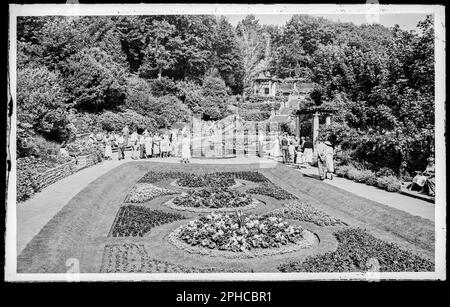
(135, 221)
(355, 250)
(166, 68)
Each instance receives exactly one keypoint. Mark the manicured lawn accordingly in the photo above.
(106, 234)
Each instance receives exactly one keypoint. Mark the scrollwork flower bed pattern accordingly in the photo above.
(143, 192)
(269, 189)
(217, 180)
(305, 212)
(249, 176)
(355, 250)
(135, 221)
(239, 233)
(213, 198)
(155, 176)
(133, 258)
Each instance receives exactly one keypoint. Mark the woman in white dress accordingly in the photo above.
(185, 149)
(108, 139)
(276, 150)
(148, 143)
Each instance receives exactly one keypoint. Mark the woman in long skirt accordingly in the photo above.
(108, 139)
(148, 145)
(156, 146)
(185, 149)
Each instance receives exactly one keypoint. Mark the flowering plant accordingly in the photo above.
(142, 192)
(305, 212)
(216, 180)
(239, 233)
(213, 198)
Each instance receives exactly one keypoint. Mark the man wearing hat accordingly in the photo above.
(325, 161)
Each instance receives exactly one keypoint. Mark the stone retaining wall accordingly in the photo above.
(55, 174)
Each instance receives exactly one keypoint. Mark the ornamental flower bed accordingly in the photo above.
(356, 247)
(249, 176)
(143, 192)
(133, 258)
(239, 233)
(135, 221)
(214, 198)
(155, 176)
(218, 180)
(269, 189)
(305, 212)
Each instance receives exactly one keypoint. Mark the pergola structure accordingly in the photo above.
(316, 111)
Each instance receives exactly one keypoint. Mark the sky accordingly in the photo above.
(405, 21)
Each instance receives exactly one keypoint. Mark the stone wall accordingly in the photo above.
(55, 174)
(52, 175)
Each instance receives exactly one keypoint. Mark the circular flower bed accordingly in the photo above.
(213, 198)
(240, 234)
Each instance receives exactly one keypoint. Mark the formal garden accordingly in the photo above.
(225, 220)
(79, 77)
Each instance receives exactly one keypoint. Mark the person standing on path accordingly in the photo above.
(148, 145)
(134, 144)
(284, 148)
(307, 150)
(325, 162)
(142, 145)
(321, 160)
(156, 143)
(121, 146)
(108, 146)
(185, 149)
(329, 154)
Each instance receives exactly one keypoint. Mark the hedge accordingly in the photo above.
(389, 183)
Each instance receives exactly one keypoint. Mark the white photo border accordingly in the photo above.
(438, 12)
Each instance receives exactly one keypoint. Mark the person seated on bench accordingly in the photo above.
(425, 179)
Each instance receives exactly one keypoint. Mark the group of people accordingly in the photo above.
(143, 146)
(300, 152)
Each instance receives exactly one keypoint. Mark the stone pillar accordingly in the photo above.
(239, 138)
(297, 125)
(218, 144)
(196, 136)
(328, 120)
(251, 139)
(228, 138)
(261, 138)
(315, 127)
